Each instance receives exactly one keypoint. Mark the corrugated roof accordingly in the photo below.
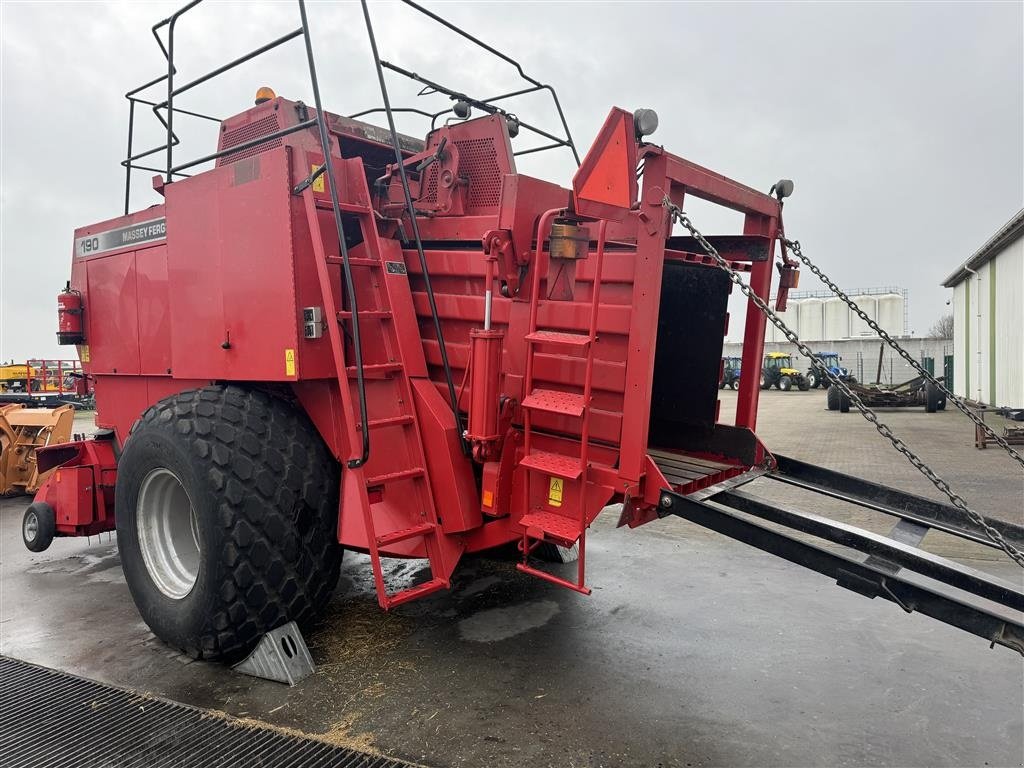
(1006, 235)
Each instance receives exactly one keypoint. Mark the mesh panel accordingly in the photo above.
(248, 132)
(477, 162)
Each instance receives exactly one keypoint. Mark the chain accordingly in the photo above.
(994, 535)
(794, 246)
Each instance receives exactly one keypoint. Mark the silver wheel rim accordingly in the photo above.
(30, 528)
(168, 533)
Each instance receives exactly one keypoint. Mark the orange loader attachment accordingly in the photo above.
(22, 431)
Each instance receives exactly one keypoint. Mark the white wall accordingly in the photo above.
(959, 338)
(1009, 339)
(977, 339)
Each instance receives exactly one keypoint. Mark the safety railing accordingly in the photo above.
(486, 104)
(166, 110)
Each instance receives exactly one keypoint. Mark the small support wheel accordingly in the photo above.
(812, 380)
(785, 383)
(38, 526)
(932, 396)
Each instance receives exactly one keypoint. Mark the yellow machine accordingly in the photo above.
(19, 377)
(778, 371)
(22, 431)
(14, 378)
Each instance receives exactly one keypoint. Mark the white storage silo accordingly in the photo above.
(837, 319)
(812, 319)
(791, 317)
(869, 304)
(890, 313)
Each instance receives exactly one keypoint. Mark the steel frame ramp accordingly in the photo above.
(893, 567)
(51, 719)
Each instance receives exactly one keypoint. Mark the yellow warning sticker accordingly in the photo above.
(555, 491)
(318, 185)
(83, 353)
(289, 362)
(488, 499)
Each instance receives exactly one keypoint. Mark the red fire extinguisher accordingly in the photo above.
(70, 328)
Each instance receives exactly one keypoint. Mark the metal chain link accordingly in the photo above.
(677, 214)
(794, 246)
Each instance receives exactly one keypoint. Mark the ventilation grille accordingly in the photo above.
(248, 132)
(478, 162)
(52, 719)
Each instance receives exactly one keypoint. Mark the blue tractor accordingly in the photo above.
(831, 361)
(730, 373)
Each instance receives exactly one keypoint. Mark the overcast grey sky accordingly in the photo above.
(901, 123)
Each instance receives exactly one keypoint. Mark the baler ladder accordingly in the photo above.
(386, 386)
(563, 526)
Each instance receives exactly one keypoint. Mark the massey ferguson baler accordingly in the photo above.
(342, 338)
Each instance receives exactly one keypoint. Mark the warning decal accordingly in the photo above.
(555, 491)
(289, 362)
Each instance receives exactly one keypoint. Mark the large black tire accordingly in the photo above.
(38, 526)
(765, 384)
(785, 383)
(261, 499)
(832, 396)
(802, 384)
(844, 401)
(932, 396)
(552, 553)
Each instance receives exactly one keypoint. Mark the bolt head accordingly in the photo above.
(666, 502)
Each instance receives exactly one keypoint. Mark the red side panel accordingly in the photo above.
(230, 273)
(112, 329)
(154, 319)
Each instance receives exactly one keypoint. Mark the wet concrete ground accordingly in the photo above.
(693, 649)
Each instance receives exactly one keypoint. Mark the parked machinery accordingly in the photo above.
(778, 371)
(343, 338)
(731, 367)
(831, 361)
(916, 392)
(23, 431)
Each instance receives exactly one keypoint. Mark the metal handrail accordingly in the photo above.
(505, 57)
(165, 111)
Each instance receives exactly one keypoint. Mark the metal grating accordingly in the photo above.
(49, 719)
(248, 132)
(478, 162)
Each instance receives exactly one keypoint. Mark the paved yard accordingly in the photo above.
(693, 649)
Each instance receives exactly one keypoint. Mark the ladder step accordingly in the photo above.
(555, 464)
(553, 579)
(551, 401)
(354, 262)
(389, 422)
(376, 368)
(367, 314)
(551, 526)
(559, 339)
(392, 476)
(420, 590)
(423, 529)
